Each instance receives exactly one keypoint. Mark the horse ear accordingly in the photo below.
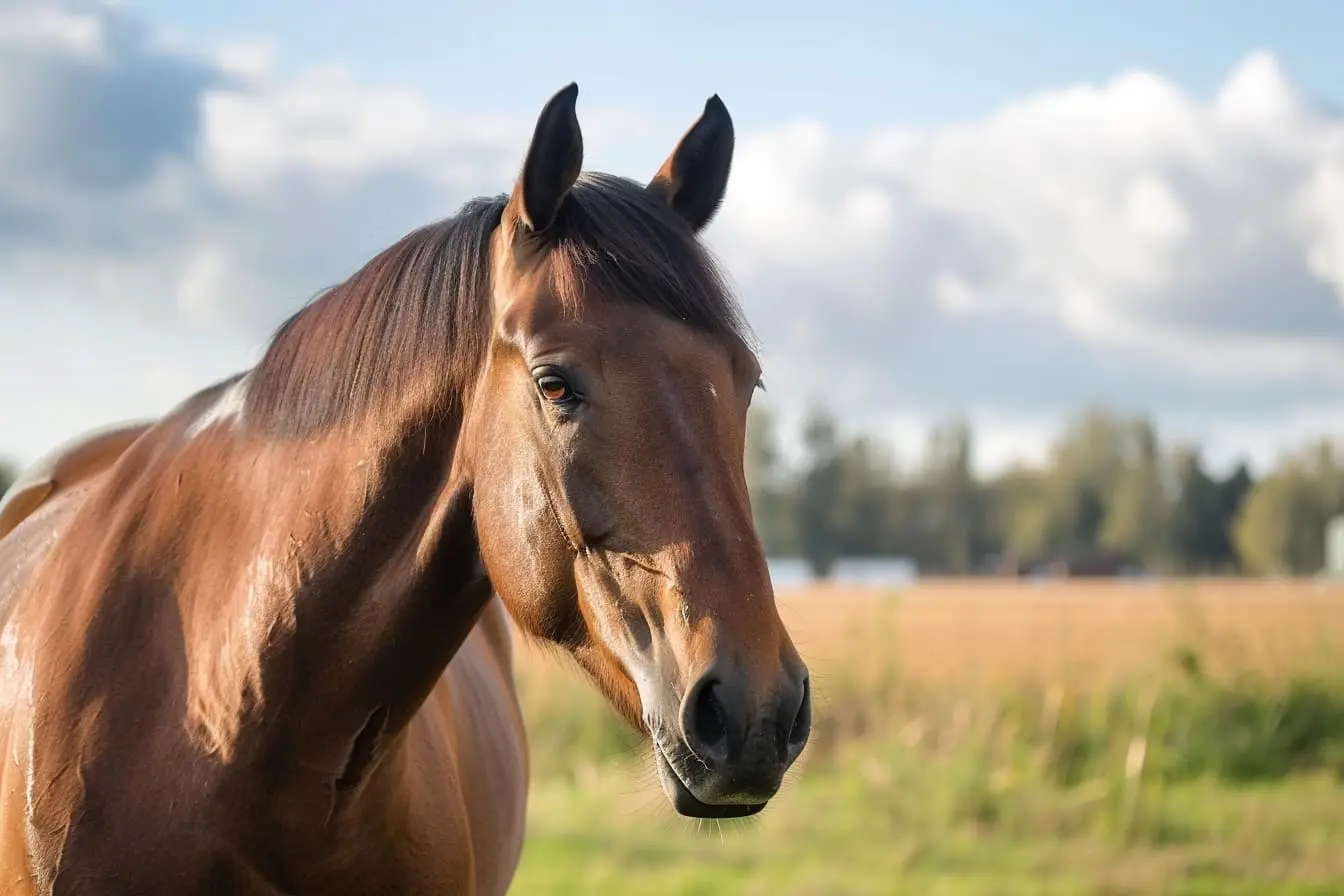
(553, 162)
(693, 179)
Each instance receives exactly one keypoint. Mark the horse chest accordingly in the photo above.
(449, 810)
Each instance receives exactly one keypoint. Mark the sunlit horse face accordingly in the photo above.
(607, 443)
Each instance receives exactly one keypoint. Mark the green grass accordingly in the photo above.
(1184, 786)
(884, 821)
(888, 821)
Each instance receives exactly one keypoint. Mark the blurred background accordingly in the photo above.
(1050, 299)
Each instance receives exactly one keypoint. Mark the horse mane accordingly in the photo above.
(422, 307)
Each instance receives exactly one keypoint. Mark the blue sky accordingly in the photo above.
(1004, 211)
(860, 62)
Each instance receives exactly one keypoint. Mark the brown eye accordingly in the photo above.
(554, 389)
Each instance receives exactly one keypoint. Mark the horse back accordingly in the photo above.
(67, 466)
(34, 513)
(32, 524)
(46, 495)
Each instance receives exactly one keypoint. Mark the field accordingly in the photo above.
(992, 737)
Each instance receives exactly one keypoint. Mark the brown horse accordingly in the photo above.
(255, 647)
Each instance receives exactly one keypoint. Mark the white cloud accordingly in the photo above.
(246, 61)
(325, 126)
(28, 26)
(1122, 241)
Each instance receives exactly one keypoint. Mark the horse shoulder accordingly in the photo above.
(75, 462)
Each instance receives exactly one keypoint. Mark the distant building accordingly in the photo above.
(1334, 546)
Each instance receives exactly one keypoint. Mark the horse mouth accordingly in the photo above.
(686, 803)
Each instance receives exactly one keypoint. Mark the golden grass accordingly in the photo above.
(976, 632)
(981, 631)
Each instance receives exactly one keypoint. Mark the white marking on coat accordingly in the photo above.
(229, 406)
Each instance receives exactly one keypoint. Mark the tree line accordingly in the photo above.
(1111, 494)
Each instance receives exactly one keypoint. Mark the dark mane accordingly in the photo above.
(422, 307)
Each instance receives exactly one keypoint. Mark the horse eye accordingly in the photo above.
(554, 389)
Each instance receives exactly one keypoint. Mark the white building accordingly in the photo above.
(1334, 546)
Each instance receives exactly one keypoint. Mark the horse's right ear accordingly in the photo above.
(553, 162)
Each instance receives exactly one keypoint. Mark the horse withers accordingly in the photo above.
(260, 645)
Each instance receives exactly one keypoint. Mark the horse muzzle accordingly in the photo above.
(727, 755)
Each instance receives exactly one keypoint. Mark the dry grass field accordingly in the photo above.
(994, 736)
(984, 631)
(978, 632)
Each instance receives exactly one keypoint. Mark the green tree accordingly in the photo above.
(1232, 493)
(1269, 531)
(953, 496)
(772, 494)
(820, 517)
(1322, 462)
(865, 498)
(1020, 515)
(1086, 467)
(908, 531)
(1136, 522)
(1280, 528)
(1196, 524)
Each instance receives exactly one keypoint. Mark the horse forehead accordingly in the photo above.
(652, 342)
(526, 302)
(621, 331)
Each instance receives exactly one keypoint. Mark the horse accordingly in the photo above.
(263, 643)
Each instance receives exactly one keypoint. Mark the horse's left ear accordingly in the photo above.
(693, 179)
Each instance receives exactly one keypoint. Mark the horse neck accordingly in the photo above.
(359, 579)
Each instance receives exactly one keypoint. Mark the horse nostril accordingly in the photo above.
(709, 725)
(802, 720)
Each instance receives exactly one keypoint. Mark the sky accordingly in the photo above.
(1003, 211)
